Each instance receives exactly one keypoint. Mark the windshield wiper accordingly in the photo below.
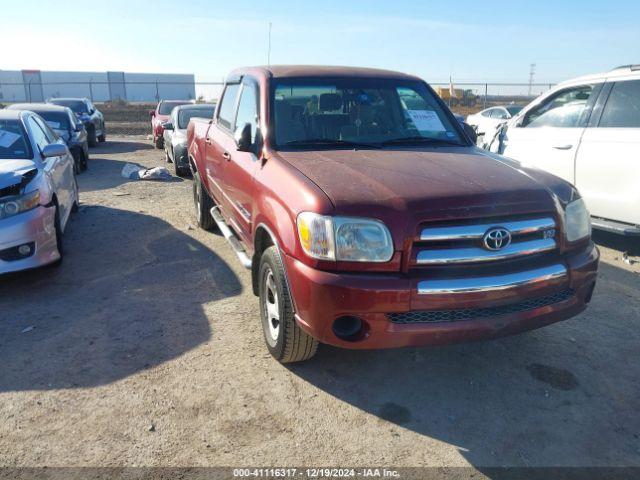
(332, 141)
(418, 139)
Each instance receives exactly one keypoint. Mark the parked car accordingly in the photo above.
(368, 224)
(175, 133)
(587, 131)
(38, 191)
(486, 121)
(64, 123)
(161, 115)
(91, 118)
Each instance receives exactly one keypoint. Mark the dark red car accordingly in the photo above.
(161, 115)
(369, 219)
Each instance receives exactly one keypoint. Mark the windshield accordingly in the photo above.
(513, 109)
(187, 114)
(352, 111)
(13, 141)
(78, 106)
(56, 120)
(165, 107)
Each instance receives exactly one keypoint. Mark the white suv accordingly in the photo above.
(587, 131)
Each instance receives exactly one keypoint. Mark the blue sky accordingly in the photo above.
(471, 40)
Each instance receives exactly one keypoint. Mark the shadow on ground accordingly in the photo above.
(127, 297)
(630, 244)
(567, 394)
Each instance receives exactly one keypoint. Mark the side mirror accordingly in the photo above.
(470, 132)
(152, 113)
(167, 126)
(243, 138)
(54, 150)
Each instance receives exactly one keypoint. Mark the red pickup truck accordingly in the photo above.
(369, 219)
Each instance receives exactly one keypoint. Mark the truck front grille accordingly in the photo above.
(465, 243)
(442, 316)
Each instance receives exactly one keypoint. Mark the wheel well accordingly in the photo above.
(261, 242)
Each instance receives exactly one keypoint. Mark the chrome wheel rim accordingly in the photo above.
(271, 308)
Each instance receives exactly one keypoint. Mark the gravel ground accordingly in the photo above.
(145, 349)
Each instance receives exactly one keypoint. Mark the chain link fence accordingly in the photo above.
(126, 106)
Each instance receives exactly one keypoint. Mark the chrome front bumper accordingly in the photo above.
(35, 226)
(535, 277)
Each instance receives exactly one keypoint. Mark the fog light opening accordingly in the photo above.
(348, 328)
(24, 250)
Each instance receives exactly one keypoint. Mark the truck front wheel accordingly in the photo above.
(286, 341)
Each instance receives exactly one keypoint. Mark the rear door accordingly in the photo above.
(219, 143)
(548, 134)
(240, 166)
(608, 161)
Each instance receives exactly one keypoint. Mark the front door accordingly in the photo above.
(240, 168)
(549, 133)
(608, 162)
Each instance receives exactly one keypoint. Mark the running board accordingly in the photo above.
(615, 227)
(230, 237)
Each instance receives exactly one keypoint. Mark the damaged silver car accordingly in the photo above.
(38, 191)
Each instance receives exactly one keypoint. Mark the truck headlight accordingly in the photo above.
(577, 221)
(348, 239)
(14, 205)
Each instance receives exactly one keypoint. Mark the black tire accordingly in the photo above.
(180, 171)
(288, 342)
(85, 161)
(91, 137)
(159, 143)
(77, 163)
(75, 207)
(203, 204)
(59, 242)
(102, 138)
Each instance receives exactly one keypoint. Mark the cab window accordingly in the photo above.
(622, 109)
(247, 109)
(565, 109)
(226, 115)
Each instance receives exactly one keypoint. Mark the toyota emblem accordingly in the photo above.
(496, 238)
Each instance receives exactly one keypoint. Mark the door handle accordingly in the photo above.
(563, 147)
(227, 155)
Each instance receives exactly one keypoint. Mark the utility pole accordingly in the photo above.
(532, 72)
(269, 47)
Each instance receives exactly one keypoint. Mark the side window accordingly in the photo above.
(499, 113)
(38, 134)
(565, 109)
(488, 113)
(48, 133)
(622, 109)
(248, 109)
(226, 115)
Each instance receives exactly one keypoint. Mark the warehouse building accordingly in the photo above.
(37, 86)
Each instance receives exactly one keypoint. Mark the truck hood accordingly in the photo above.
(461, 181)
(12, 171)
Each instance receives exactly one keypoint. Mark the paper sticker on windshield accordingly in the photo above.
(8, 138)
(426, 120)
(54, 125)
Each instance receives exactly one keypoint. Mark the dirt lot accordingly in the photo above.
(146, 349)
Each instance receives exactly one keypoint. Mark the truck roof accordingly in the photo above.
(287, 71)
